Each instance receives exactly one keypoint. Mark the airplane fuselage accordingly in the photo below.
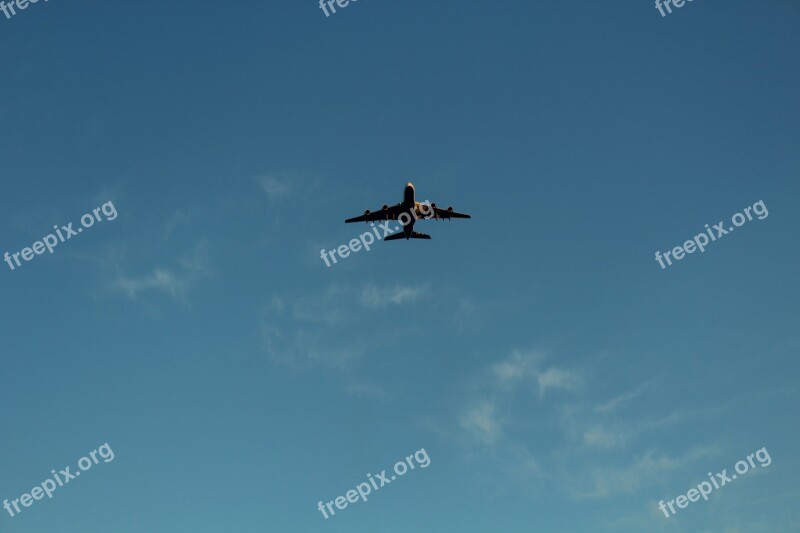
(410, 207)
(409, 195)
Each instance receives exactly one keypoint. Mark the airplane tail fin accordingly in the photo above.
(414, 235)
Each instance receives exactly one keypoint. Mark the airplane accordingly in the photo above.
(412, 210)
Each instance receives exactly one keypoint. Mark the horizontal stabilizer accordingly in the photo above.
(414, 235)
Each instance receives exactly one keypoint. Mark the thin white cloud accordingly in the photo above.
(604, 430)
(515, 368)
(604, 482)
(377, 298)
(482, 423)
(367, 390)
(173, 281)
(160, 280)
(302, 348)
(177, 219)
(556, 378)
(526, 368)
(274, 186)
(615, 403)
(330, 306)
(498, 419)
(324, 328)
(603, 437)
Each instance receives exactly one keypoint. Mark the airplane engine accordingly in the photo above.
(385, 207)
(450, 209)
(367, 212)
(433, 204)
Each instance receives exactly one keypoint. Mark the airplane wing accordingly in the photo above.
(448, 213)
(385, 213)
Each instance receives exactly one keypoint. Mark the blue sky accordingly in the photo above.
(557, 378)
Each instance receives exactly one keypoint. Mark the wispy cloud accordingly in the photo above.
(527, 368)
(159, 280)
(302, 348)
(604, 437)
(482, 423)
(329, 306)
(646, 470)
(173, 280)
(605, 430)
(275, 187)
(615, 403)
(318, 329)
(367, 390)
(555, 379)
(588, 445)
(377, 298)
(177, 219)
(484, 420)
